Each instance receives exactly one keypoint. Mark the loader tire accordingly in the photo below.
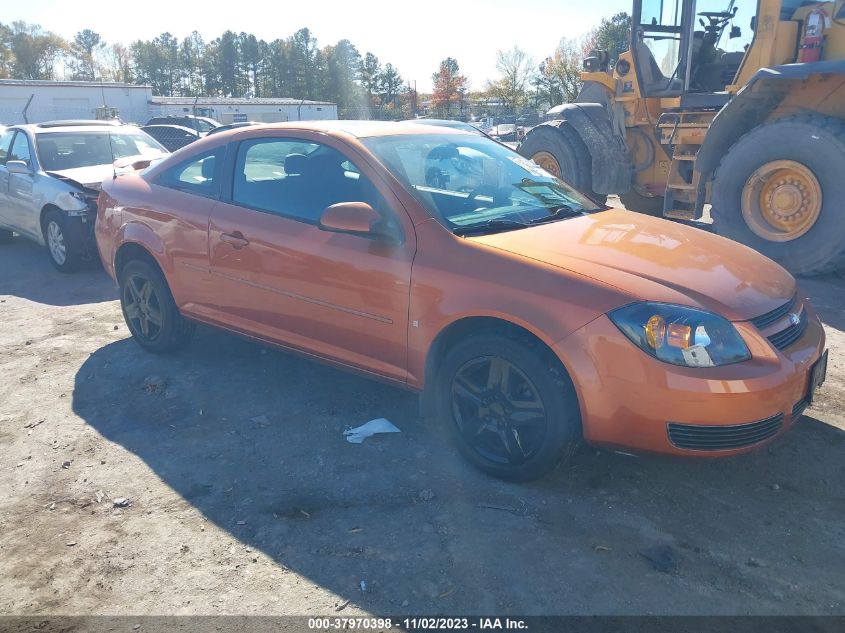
(560, 151)
(780, 189)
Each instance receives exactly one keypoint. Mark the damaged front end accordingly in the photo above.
(79, 204)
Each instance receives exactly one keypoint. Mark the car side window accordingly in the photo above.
(20, 149)
(198, 175)
(298, 179)
(5, 145)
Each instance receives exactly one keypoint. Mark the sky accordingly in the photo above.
(413, 37)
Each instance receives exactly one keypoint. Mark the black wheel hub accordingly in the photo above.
(498, 410)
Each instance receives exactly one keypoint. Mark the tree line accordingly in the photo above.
(242, 65)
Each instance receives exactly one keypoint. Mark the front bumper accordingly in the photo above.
(628, 399)
(79, 228)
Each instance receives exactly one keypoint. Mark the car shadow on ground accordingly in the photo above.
(22, 260)
(253, 440)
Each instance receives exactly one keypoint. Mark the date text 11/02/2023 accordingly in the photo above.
(417, 624)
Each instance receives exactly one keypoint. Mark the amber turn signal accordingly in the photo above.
(655, 331)
(679, 335)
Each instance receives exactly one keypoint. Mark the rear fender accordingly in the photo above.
(145, 237)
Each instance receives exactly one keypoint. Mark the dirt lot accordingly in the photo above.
(245, 498)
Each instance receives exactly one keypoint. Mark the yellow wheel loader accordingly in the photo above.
(740, 106)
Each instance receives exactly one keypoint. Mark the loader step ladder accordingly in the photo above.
(682, 184)
(682, 134)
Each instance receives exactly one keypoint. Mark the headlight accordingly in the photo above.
(681, 335)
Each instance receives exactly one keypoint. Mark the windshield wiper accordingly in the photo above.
(490, 226)
(561, 211)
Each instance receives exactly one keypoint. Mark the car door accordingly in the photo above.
(340, 296)
(22, 208)
(5, 146)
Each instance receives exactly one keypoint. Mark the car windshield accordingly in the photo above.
(70, 150)
(473, 184)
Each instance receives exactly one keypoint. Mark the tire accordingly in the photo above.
(817, 144)
(536, 446)
(648, 205)
(63, 248)
(575, 166)
(158, 327)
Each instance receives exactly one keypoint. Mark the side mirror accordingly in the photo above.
(355, 218)
(18, 167)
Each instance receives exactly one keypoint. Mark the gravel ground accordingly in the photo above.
(217, 481)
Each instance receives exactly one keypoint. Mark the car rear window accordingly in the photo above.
(70, 150)
(198, 175)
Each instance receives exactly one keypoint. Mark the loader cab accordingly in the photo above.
(685, 47)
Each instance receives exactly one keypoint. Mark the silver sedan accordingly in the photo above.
(50, 177)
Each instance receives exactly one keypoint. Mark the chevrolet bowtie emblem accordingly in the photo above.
(794, 319)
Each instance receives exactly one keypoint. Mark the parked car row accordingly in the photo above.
(199, 124)
(528, 317)
(177, 132)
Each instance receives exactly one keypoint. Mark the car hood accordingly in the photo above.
(92, 176)
(656, 260)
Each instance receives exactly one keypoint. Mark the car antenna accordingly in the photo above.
(111, 149)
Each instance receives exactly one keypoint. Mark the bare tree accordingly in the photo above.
(516, 69)
(562, 71)
(116, 63)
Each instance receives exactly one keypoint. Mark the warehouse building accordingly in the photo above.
(231, 110)
(23, 101)
(33, 101)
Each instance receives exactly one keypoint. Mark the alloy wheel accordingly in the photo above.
(142, 307)
(498, 410)
(56, 242)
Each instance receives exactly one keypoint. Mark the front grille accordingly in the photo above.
(787, 337)
(765, 320)
(799, 408)
(722, 438)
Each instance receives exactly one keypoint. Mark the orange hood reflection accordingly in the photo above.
(657, 260)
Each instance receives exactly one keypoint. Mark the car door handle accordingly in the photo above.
(236, 239)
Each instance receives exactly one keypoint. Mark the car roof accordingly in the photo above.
(162, 126)
(350, 127)
(458, 125)
(184, 116)
(39, 129)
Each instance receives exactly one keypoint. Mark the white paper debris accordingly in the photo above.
(359, 434)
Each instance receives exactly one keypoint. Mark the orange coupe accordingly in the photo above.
(527, 316)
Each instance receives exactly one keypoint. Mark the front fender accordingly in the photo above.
(468, 279)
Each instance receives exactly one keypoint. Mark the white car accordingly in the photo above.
(50, 177)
